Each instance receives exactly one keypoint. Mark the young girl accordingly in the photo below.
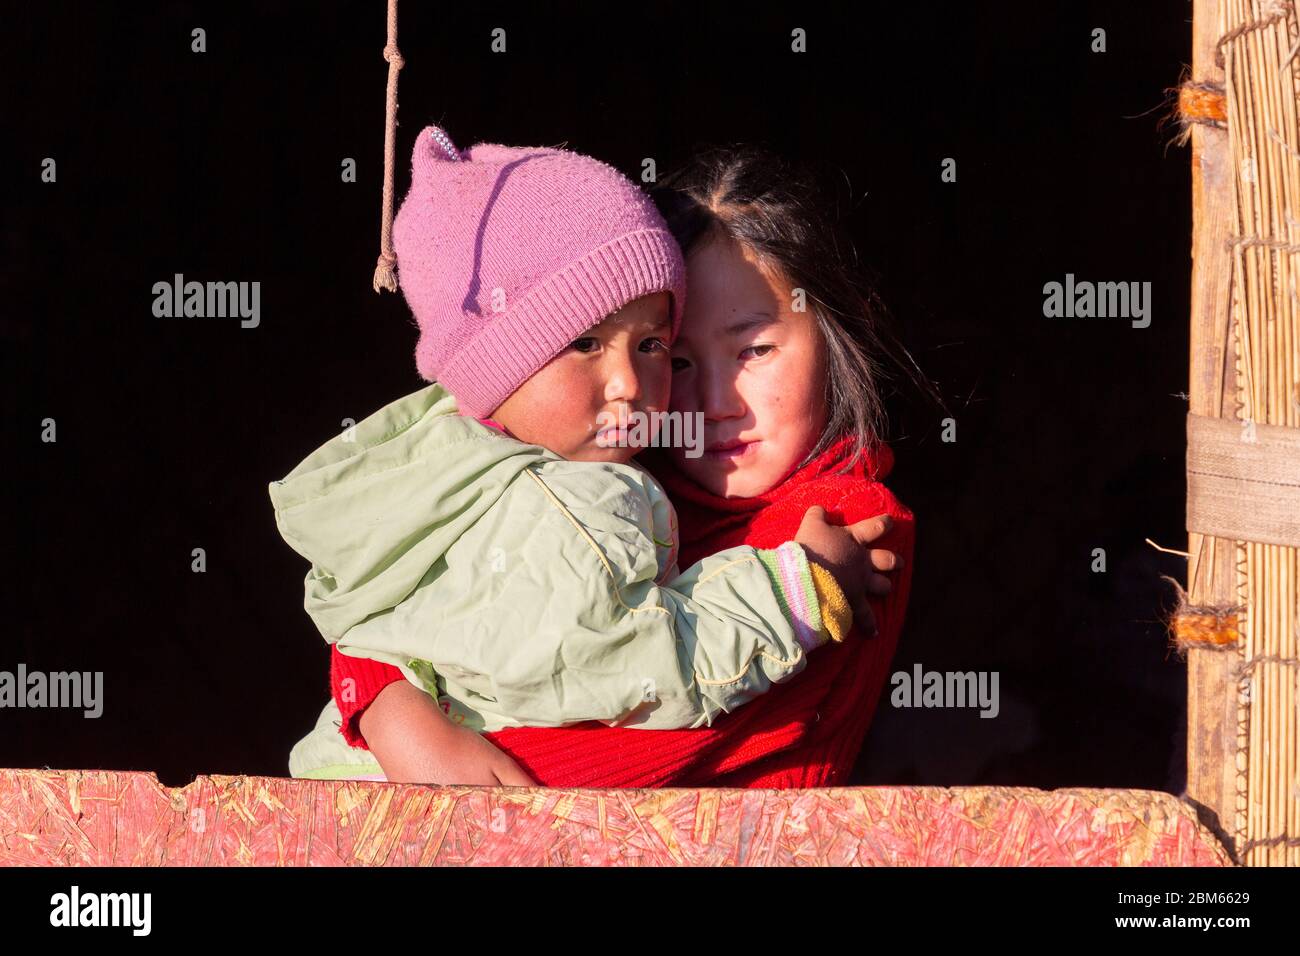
(799, 396)
(530, 578)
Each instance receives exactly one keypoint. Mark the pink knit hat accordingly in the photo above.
(506, 255)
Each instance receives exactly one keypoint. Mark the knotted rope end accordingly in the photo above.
(386, 274)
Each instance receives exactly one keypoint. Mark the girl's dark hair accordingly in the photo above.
(775, 210)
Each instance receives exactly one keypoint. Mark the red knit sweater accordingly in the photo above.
(805, 732)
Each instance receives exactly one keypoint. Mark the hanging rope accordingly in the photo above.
(385, 269)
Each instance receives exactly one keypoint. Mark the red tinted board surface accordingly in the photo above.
(119, 818)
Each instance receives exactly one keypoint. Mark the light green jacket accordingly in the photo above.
(521, 589)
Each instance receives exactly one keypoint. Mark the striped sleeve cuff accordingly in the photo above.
(793, 585)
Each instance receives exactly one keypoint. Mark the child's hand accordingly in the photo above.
(843, 552)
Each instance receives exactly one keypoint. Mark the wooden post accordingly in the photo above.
(1212, 718)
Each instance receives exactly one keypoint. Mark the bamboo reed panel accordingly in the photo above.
(1262, 82)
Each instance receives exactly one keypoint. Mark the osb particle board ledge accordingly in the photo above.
(127, 818)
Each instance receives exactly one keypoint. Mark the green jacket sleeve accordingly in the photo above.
(549, 612)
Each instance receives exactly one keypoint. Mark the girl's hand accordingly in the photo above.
(415, 742)
(470, 758)
(843, 552)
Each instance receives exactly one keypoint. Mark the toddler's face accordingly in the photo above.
(573, 403)
(753, 366)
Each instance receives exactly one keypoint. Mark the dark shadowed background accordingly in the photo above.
(225, 166)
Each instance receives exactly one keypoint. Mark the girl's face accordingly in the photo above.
(752, 365)
(573, 403)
